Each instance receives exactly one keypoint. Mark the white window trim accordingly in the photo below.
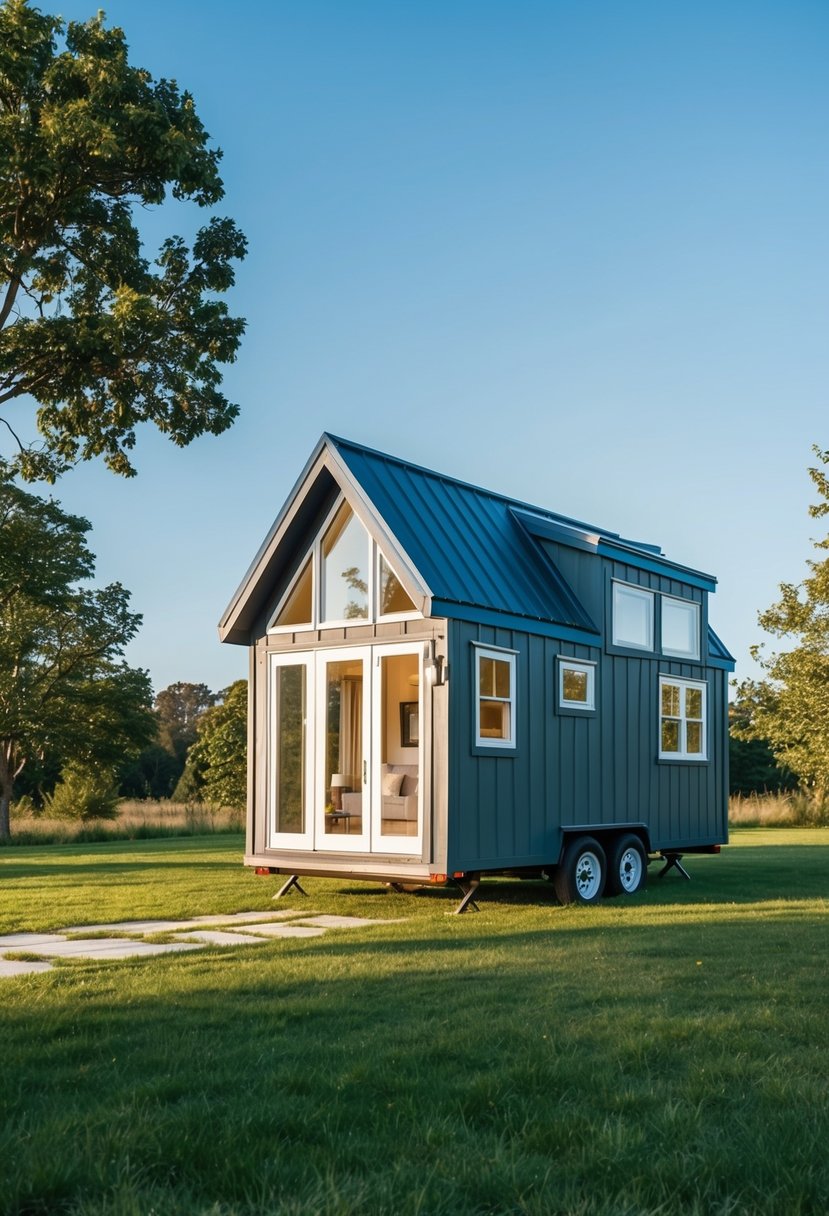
(346, 622)
(680, 654)
(684, 755)
(588, 666)
(305, 626)
(480, 651)
(411, 614)
(314, 553)
(645, 593)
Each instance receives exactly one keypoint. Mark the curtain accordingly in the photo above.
(351, 730)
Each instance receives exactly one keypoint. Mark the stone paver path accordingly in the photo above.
(127, 938)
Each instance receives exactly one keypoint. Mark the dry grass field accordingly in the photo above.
(136, 820)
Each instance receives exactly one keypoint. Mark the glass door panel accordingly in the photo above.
(290, 817)
(343, 709)
(397, 783)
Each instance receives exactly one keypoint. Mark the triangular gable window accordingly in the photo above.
(393, 597)
(345, 567)
(344, 578)
(298, 608)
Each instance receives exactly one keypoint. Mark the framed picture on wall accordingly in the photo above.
(409, 724)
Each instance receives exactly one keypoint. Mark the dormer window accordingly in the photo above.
(680, 628)
(632, 617)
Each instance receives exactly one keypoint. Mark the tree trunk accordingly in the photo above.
(6, 783)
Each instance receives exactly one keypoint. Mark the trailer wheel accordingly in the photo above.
(581, 876)
(627, 870)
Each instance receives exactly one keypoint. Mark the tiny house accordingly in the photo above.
(447, 683)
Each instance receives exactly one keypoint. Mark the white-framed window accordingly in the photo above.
(494, 697)
(632, 616)
(682, 719)
(680, 627)
(344, 569)
(344, 579)
(297, 608)
(576, 684)
(392, 597)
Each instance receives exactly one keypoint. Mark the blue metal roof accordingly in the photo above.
(480, 556)
(718, 655)
(464, 541)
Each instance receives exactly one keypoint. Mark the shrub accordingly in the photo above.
(82, 794)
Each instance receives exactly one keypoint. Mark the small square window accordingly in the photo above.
(576, 684)
(632, 617)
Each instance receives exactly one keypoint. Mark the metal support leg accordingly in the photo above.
(293, 881)
(468, 887)
(674, 861)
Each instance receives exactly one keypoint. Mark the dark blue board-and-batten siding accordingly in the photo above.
(509, 809)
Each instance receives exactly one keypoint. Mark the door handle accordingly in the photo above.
(365, 772)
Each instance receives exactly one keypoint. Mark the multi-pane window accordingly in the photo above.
(681, 719)
(680, 627)
(494, 698)
(576, 684)
(345, 578)
(632, 617)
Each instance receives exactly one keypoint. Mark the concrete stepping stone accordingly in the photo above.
(218, 937)
(22, 941)
(110, 947)
(341, 922)
(10, 967)
(130, 926)
(174, 926)
(285, 931)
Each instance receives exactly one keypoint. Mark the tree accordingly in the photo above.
(216, 768)
(179, 708)
(752, 768)
(156, 771)
(790, 707)
(99, 337)
(65, 691)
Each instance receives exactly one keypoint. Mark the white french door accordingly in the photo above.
(343, 730)
(291, 751)
(345, 759)
(397, 749)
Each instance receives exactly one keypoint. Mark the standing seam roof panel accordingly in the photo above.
(464, 541)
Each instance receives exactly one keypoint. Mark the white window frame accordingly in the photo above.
(683, 754)
(411, 614)
(314, 554)
(346, 622)
(291, 840)
(501, 655)
(643, 593)
(272, 626)
(680, 654)
(583, 666)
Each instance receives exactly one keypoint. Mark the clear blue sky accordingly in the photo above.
(575, 252)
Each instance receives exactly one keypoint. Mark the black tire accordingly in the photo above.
(627, 866)
(580, 878)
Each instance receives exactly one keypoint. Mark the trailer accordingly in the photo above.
(446, 683)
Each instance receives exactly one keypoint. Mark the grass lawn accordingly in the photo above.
(663, 1054)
